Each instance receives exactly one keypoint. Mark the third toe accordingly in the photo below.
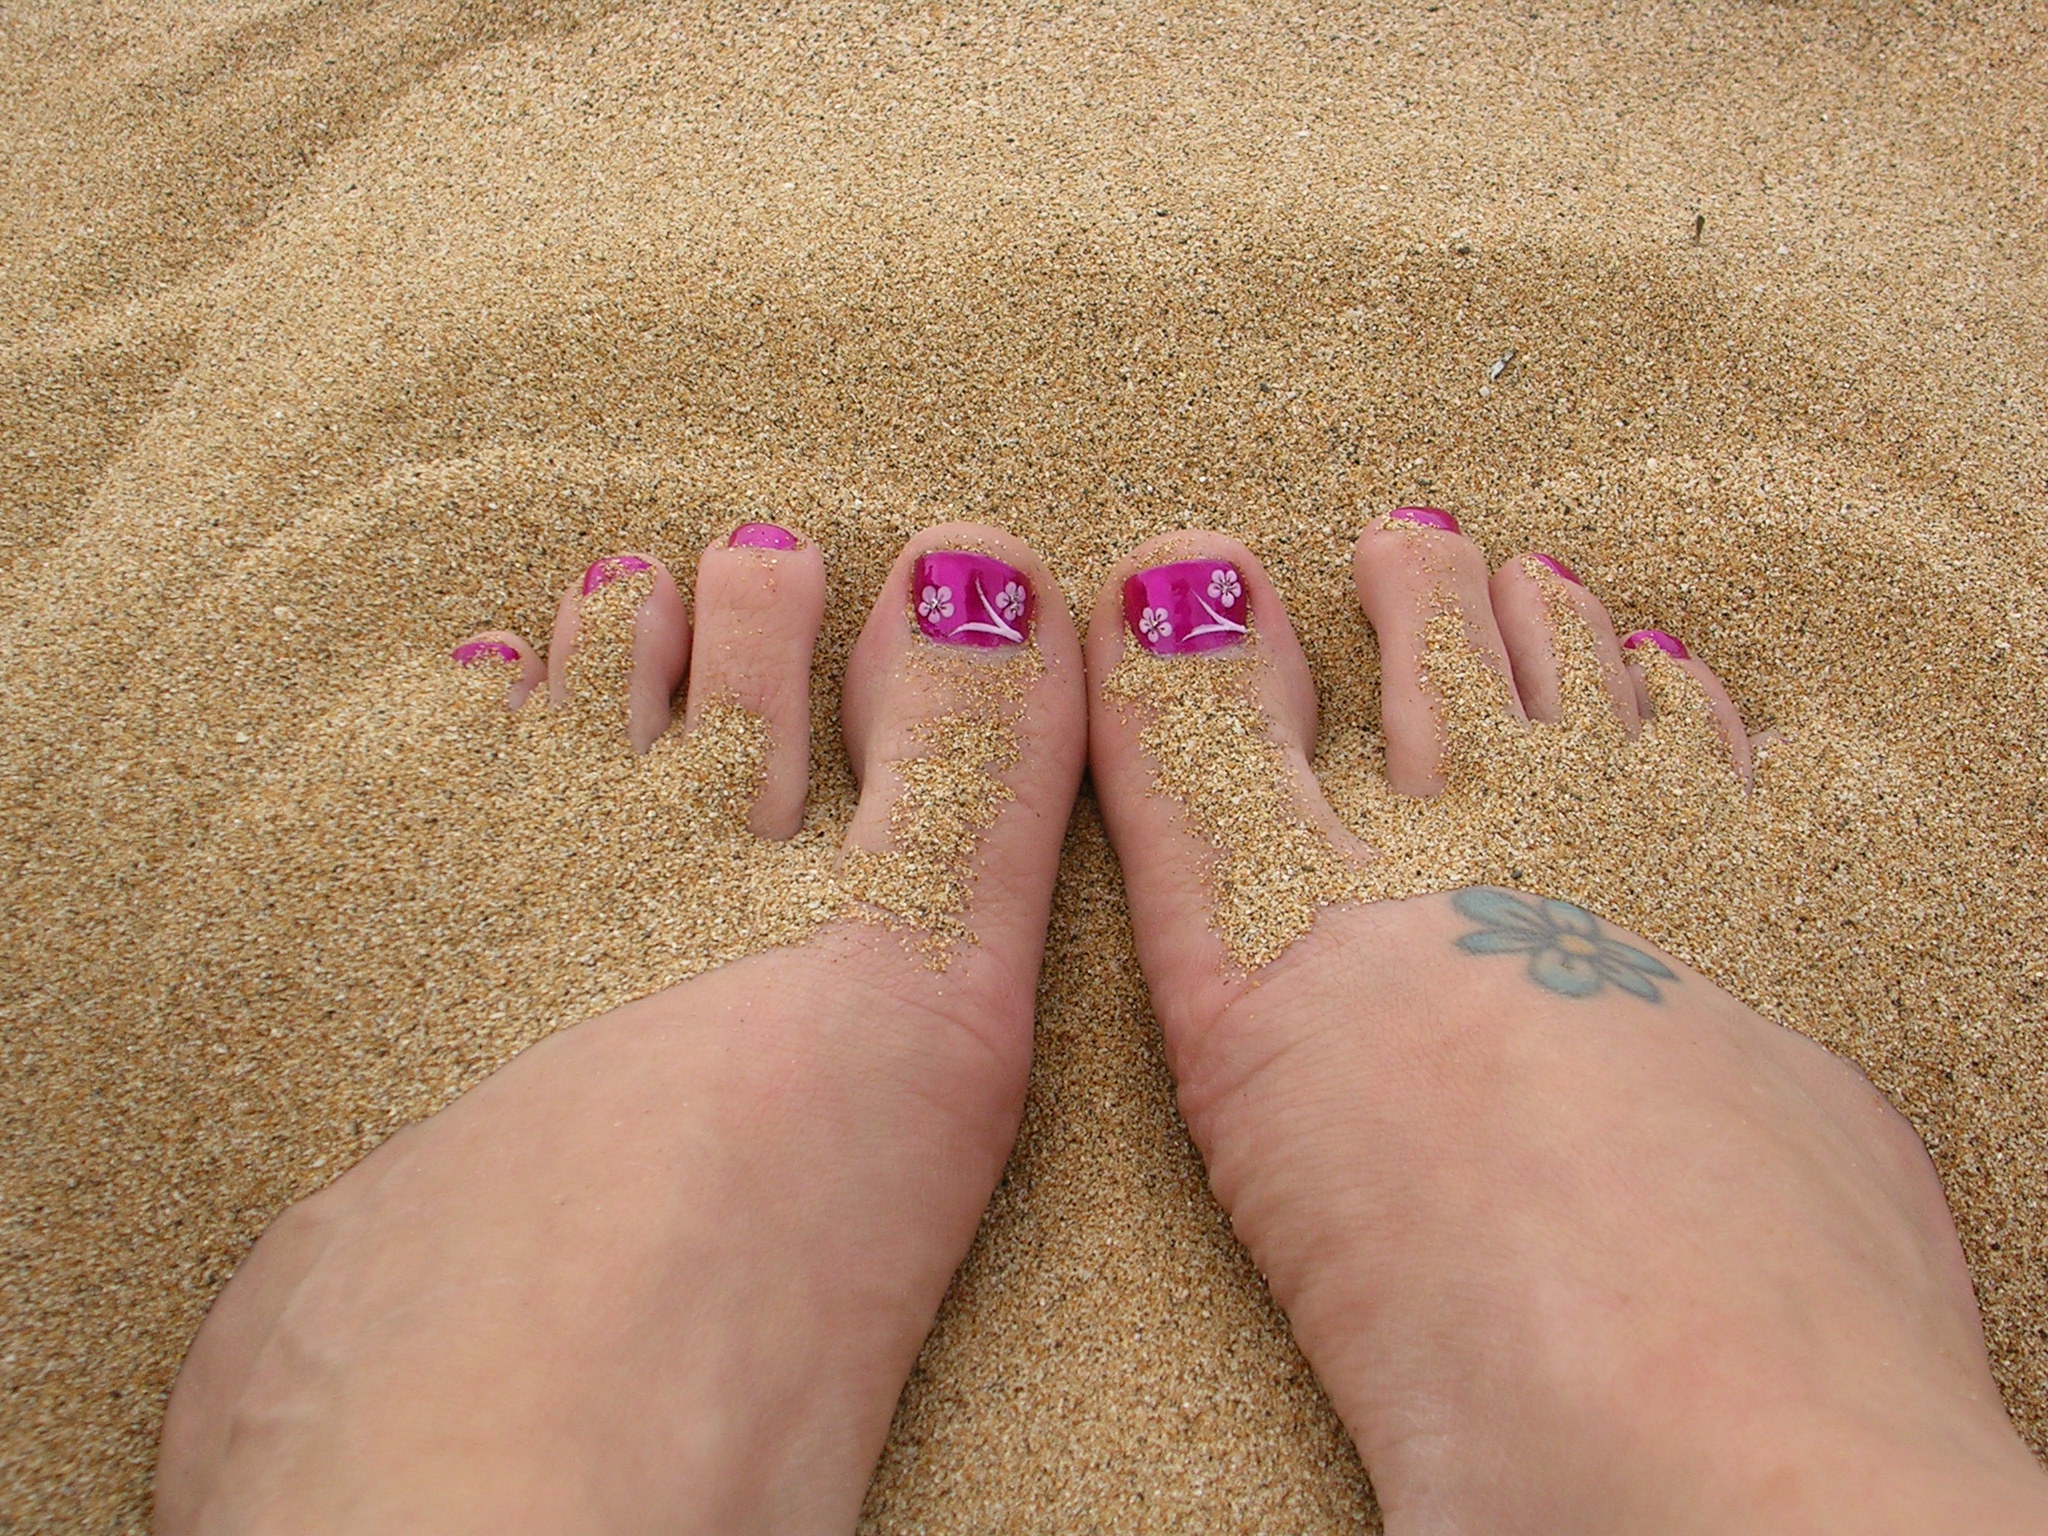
(620, 648)
(1560, 641)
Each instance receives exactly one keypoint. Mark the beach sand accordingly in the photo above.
(335, 332)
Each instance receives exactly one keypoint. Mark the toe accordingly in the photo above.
(1414, 569)
(965, 722)
(760, 599)
(1670, 681)
(621, 647)
(1560, 641)
(1202, 719)
(500, 653)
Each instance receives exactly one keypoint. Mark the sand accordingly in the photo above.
(335, 332)
(1565, 806)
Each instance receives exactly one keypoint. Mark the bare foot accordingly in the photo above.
(1574, 1240)
(667, 1270)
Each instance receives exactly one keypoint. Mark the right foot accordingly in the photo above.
(667, 1270)
(1574, 1240)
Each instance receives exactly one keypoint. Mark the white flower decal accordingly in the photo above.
(1225, 586)
(935, 603)
(1154, 625)
(1010, 601)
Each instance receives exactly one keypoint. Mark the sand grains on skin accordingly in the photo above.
(1567, 808)
(337, 333)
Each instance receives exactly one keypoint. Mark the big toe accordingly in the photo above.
(1202, 719)
(966, 724)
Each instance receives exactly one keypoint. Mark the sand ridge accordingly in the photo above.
(334, 335)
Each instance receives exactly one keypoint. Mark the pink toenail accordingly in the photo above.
(1558, 568)
(485, 650)
(1191, 605)
(1670, 645)
(968, 599)
(761, 536)
(610, 569)
(1426, 517)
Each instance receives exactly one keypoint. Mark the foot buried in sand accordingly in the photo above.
(1573, 1239)
(668, 1269)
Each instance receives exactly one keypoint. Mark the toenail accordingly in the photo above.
(1191, 605)
(762, 536)
(1670, 645)
(1558, 568)
(610, 569)
(485, 650)
(968, 599)
(1426, 517)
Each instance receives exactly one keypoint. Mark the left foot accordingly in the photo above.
(668, 1270)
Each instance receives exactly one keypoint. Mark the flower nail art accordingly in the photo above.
(1191, 605)
(968, 599)
(1569, 953)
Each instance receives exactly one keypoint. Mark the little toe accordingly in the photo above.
(499, 652)
(1414, 568)
(1202, 720)
(760, 600)
(1669, 680)
(621, 647)
(1560, 641)
(965, 723)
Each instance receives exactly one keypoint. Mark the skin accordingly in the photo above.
(667, 1270)
(1565, 1257)
(1578, 1262)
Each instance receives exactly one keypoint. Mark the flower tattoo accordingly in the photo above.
(1568, 951)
